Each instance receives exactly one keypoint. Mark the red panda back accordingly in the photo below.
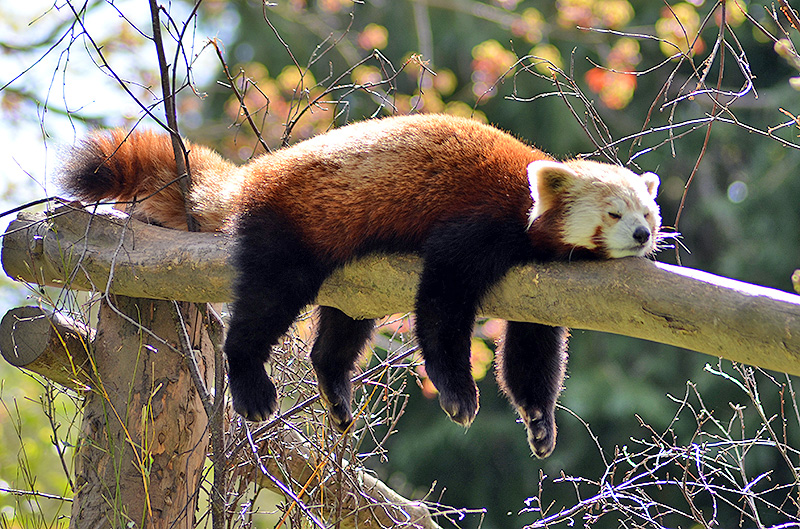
(392, 180)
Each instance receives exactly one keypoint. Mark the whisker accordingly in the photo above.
(662, 237)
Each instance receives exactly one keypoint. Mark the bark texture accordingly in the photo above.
(144, 433)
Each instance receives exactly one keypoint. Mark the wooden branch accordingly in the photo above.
(112, 252)
(633, 297)
(49, 344)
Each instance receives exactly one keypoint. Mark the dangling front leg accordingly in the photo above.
(340, 341)
(530, 370)
(462, 261)
(444, 330)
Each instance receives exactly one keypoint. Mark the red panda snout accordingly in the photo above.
(641, 234)
(629, 235)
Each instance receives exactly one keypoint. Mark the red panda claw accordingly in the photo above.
(341, 424)
(541, 429)
(339, 411)
(340, 415)
(459, 412)
(254, 395)
(254, 415)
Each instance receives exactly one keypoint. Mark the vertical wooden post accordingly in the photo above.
(144, 435)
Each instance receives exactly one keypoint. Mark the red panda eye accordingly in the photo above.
(615, 216)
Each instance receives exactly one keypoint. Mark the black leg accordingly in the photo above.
(276, 277)
(461, 262)
(340, 341)
(530, 371)
(444, 321)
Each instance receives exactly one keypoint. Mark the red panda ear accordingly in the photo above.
(651, 180)
(548, 179)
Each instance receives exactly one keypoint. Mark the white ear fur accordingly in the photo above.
(548, 178)
(652, 181)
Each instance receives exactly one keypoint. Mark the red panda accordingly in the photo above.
(471, 200)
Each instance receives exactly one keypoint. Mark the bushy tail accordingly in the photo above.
(140, 166)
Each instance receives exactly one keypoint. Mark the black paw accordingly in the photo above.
(541, 431)
(461, 405)
(254, 395)
(340, 413)
(337, 393)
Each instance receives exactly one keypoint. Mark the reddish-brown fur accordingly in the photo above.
(141, 166)
(415, 171)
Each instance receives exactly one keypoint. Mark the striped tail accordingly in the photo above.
(139, 168)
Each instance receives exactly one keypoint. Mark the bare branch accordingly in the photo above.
(364, 499)
(168, 92)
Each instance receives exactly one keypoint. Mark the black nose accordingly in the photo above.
(641, 234)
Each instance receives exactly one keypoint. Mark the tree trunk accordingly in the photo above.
(144, 435)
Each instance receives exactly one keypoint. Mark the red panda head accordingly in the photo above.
(603, 208)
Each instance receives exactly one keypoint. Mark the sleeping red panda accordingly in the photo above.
(471, 200)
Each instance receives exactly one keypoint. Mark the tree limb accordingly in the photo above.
(633, 297)
(47, 343)
(366, 500)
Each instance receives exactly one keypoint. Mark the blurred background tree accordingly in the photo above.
(696, 91)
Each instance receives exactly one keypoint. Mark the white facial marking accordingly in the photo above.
(612, 210)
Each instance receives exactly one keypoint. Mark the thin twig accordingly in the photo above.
(181, 155)
(239, 96)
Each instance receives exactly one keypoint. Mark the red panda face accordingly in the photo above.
(601, 207)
